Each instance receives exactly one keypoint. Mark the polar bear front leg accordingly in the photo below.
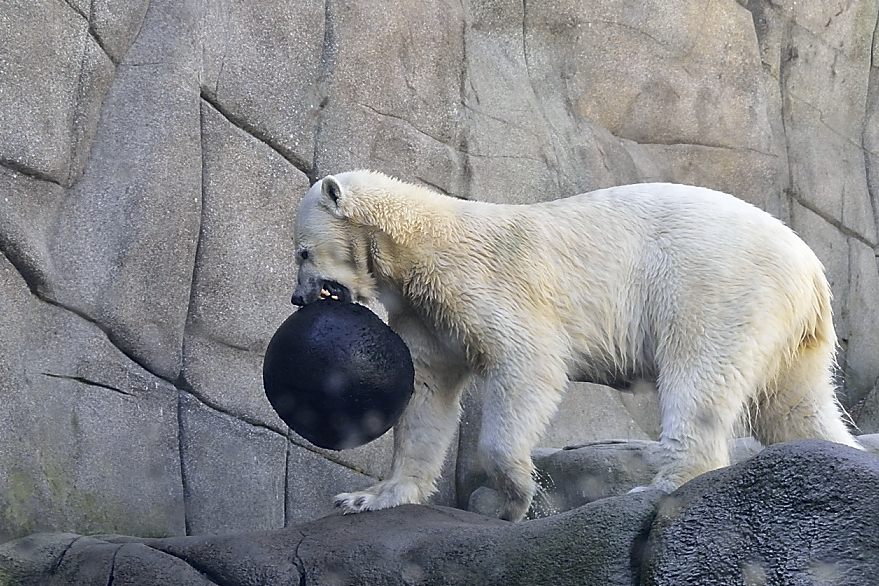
(421, 440)
(519, 403)
(425, 431)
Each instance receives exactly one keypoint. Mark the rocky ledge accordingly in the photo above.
(801, 512)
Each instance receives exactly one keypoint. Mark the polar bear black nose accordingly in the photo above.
(297, 299)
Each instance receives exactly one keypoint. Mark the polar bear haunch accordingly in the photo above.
(720, 303)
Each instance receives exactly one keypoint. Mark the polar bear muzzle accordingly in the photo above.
(333, 290)
(328, 290)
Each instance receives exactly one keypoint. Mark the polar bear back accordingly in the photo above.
(661, 264)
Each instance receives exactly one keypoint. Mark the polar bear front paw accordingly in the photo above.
(384, 495)
(354, 502)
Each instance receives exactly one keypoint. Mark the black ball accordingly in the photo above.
(337, 374)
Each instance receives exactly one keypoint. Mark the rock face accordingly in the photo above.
(152, 155)
(798, 513)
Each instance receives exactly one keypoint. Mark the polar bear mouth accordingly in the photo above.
(336, 291)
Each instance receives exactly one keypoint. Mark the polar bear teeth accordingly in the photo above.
(326, 294)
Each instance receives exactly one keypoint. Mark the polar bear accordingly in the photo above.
(717, 301)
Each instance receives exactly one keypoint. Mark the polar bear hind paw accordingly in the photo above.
(663, 489)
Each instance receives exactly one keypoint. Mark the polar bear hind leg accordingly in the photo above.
(700, 409)
(802, 403)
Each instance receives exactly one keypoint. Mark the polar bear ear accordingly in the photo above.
(331, 189)
(332, 193)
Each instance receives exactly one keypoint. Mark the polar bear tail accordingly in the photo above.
(819, 332)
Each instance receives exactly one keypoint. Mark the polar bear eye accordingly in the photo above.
(303, 254)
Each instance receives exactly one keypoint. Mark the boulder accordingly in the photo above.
(587, 413)
(803, 512)
(868, 415)
(583, 473)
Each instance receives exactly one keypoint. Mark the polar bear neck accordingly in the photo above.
(408, 214)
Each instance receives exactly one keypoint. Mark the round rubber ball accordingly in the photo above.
(337, 374)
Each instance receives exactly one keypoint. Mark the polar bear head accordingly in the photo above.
(331, 251)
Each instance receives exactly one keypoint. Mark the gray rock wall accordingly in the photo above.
(152, 154)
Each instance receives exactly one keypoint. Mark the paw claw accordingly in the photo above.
(353, 502)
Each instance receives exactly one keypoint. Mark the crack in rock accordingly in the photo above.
(18, 167)
(329, 50)
(405, 121)
(57, 564)
(706, 145)
(842, 228)
(35, 286)
(91, 28)
(106, 331)
(111, 579)
(205, 572)
(88, 382)
(297, 561)
(244, 126)
(331, 459)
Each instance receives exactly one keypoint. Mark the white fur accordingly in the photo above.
(725, 307)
